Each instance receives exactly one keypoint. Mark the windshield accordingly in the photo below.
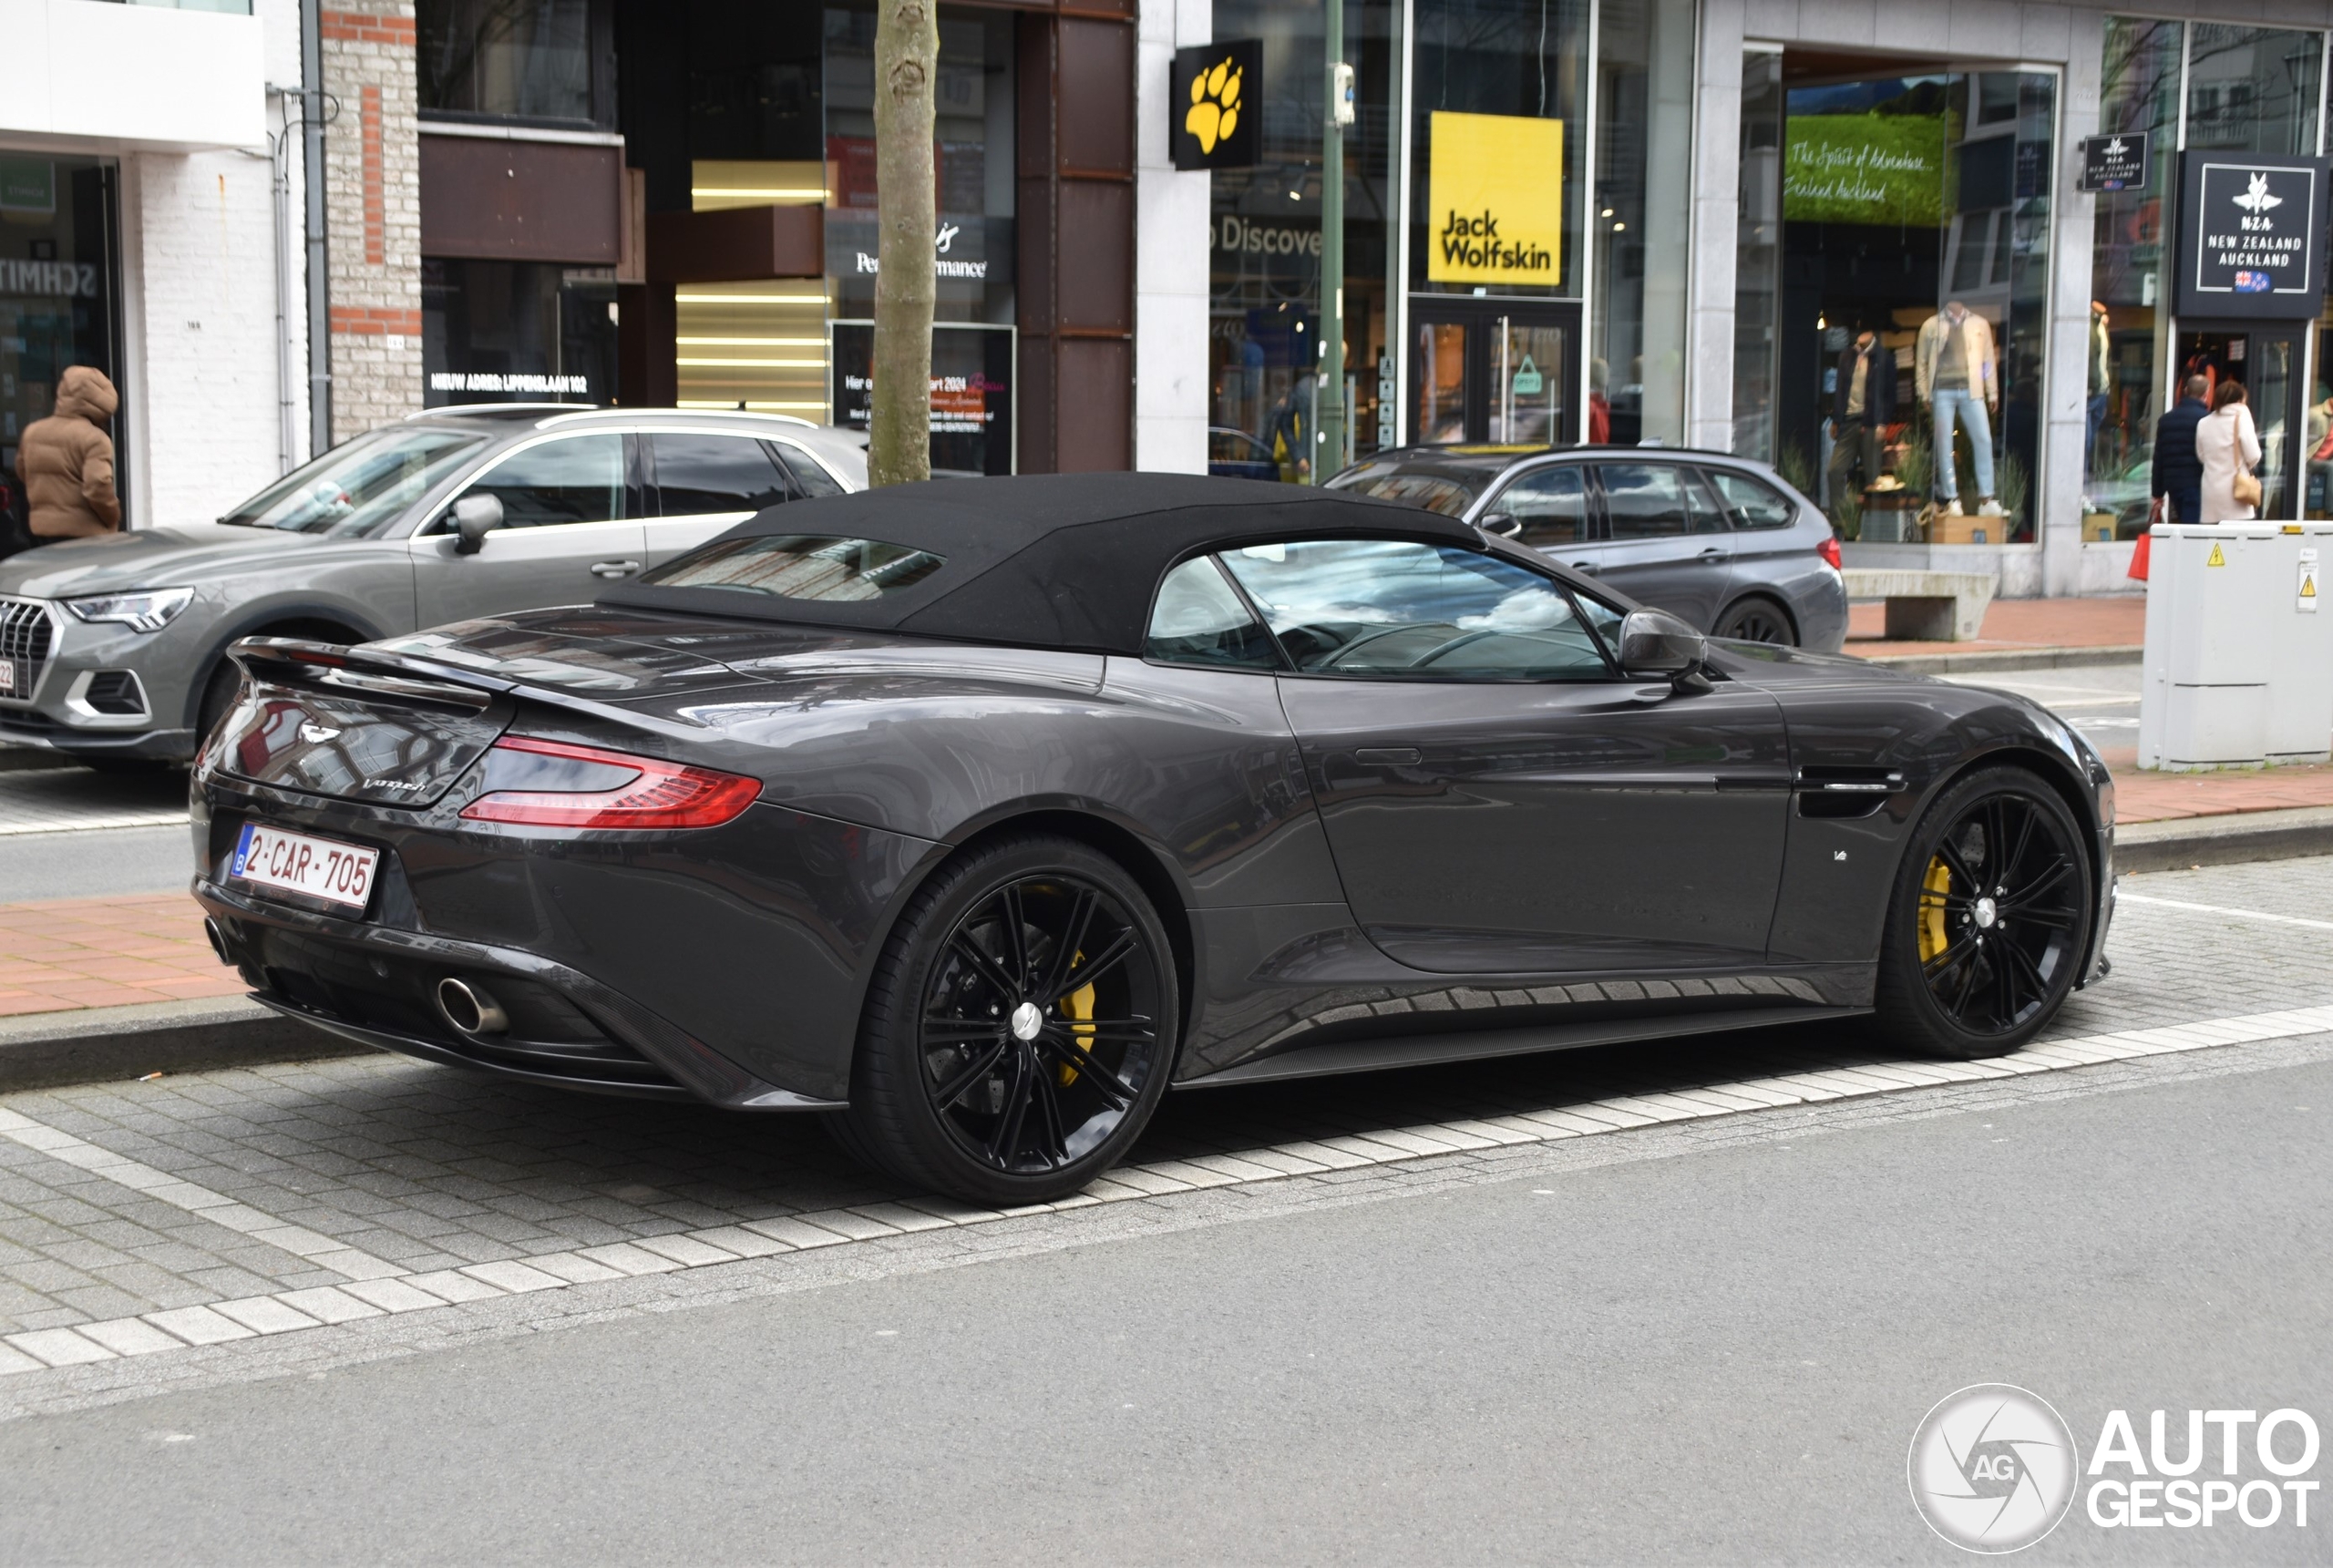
(355, 490)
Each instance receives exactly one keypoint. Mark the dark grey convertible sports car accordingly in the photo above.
(982, 814)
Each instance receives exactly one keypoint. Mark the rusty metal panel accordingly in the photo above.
(1035, 405)
(738, 245)
(1095, 83)
(484, 198)
(1095, 292)
(1094, 404)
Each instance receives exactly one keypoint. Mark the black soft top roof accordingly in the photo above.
(1057, 560)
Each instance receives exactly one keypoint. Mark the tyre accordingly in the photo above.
(1757, 619)
(217, 697)
(1019, 1028)
(1987, 920)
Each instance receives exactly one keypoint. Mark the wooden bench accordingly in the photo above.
(1926, 606)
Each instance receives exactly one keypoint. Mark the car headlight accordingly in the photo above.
(148, 611)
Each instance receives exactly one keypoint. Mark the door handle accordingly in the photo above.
(1388, 757)
(612, 569)
(1587, 566)
(1711, 553)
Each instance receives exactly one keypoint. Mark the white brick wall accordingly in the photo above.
(198, 282)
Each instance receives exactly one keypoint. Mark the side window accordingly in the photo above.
(1199, 619)
(576, 479)
(808, 477)
(1643, 500)
(1389, 608)
(1550, 503)
(699, 474)
(1753, 503)
(1701, 505)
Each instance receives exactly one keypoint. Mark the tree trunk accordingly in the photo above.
(907, 66)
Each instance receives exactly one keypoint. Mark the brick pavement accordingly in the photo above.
(63, 953)
(227, 1189)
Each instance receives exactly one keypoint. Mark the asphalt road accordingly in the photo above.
(1718, 1356)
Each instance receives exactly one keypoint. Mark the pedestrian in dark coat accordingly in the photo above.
(2178, 471)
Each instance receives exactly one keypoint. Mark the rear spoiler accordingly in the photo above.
(396, 678)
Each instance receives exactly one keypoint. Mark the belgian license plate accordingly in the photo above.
(297, 863)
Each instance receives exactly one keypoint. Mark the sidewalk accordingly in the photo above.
(2015, 625)
(2165, 797)
(66, 953)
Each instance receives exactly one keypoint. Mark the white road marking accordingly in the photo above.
(293, 1311)
(2221, 909)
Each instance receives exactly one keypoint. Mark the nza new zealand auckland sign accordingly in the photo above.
(2252, 235)
(1494, 198)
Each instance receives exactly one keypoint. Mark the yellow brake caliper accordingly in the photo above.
(1934, 890)
(1079, 1006)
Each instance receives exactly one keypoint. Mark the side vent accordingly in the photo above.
(1839, 792)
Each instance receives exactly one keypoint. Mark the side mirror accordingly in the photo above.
(1655, 642)
(475, 517)
(1505, 524)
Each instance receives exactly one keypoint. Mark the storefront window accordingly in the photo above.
(2253, 90)
(56, 292)
(514, 59)
(1758, 254)
(517, 331)
(2258, 90)
(1916, 233)
(2129, 316)
(1521, 58)
(1644, 128)
(1264, 244)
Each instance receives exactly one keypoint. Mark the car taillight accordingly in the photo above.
(657, 795)
(1829, 550)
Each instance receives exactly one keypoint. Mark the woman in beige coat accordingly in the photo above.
(2225, 444)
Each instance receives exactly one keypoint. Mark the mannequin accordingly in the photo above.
(1958, 377)
(1863, 404)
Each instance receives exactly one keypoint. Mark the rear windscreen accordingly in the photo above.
(800, 566)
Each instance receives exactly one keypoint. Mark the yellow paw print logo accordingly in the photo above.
(1215, 105)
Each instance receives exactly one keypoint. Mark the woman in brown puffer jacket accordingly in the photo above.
(66, 461)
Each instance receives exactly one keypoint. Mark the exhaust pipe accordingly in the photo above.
(218, 939)
(471, 1009)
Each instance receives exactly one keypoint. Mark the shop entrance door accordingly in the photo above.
(2266, 357)
(1492, 372)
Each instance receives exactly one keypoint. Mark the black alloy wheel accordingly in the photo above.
(1021, 1028)
(1990, 919)
(1757, 619)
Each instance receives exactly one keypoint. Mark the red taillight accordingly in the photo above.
(658, 795)
(1829, 550)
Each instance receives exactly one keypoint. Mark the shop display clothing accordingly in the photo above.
(2178, 473)
(2222, 440)
(66, 460)
(1964, 409)
(1963, 350)
(1862, 404)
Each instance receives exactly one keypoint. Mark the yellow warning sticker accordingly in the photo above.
(2217, 559)
(2306, 598)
